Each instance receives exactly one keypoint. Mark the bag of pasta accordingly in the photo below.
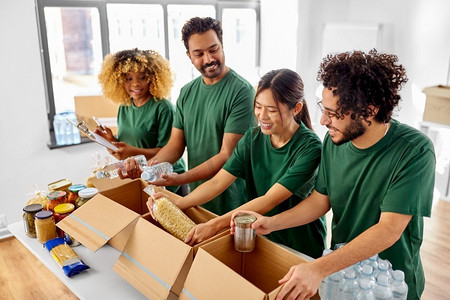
(65, 256)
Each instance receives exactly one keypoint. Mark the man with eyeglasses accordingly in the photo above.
(376, 174)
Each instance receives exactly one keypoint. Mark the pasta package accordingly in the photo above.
(65, 256)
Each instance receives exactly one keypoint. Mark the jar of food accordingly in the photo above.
(244, 234)
(72, 196)
(55, 198)
(45, 226)
(85, 195)
(62, 211)
(28, 218)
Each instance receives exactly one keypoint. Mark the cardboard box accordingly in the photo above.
(220, 272)
(152, 260)
(437, 105)
(98, 106)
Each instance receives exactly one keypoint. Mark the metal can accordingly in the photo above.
(244, 234)
(60, 185)
(29, 212)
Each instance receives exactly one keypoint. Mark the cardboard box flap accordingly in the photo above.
(103, 184)
(221, 281)
(97, 221)
(438, 91)
(151, 266)
(129, 194)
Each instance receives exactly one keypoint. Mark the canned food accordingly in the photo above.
(72, 195)
(244, 234)
(62, 211)
(55, 198)
(60, 185)
(28, 218)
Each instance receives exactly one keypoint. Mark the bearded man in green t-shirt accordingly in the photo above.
(376, 174)
(212, 114)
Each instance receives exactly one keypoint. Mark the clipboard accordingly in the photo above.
(81, 126)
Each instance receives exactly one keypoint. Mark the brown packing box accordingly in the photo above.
(152, 260)
(220, 272)
(95, 105)
(437, 105)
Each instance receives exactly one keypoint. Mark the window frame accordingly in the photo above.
(40, 6)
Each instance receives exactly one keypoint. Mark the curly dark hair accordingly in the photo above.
(200, 25)
(362, 79)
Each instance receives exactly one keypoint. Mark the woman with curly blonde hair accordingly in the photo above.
(139, 80)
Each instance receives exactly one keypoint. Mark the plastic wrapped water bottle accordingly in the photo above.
(333, 285)
(399, 287)
(365, 289)
(323, 285)
(74, 133)
(111, 171)
(58, 126)
(383, 268)
(152, 173)
(382, 289)
(367, 272)
(348, 285)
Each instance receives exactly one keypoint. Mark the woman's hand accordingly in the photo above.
(105, 133)
(200, 233)
(262, 225)
(132, 169)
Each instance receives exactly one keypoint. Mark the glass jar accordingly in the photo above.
(85, 195)
(62, 211)
(28, 218)
(72, 195)
(55, 198)
(45, 226)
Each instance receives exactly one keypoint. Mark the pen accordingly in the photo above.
(98, 123)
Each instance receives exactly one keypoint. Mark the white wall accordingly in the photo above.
(418, 32)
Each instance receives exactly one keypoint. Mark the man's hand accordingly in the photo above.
(168, 179)
(132, 169)
(262, 225)
(200, 233)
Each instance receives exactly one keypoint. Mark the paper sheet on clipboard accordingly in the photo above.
(93, 136)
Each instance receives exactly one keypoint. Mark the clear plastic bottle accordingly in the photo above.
(323, 285)
(365, 291)
(367, 272)
(382, 289)
(348, 285)
(333, 285)
(399, 286)
(383, 268)
(111, 171)
(58, 127)
(152, 173)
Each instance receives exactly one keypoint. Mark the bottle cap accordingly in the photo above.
(43, 214)
(56, 195)
(88, 192)
(64, 208)
(32, 208)
(148, 176)
(75, 188)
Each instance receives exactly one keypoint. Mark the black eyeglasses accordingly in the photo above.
(328, 114)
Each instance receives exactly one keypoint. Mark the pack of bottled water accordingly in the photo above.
(369, 279)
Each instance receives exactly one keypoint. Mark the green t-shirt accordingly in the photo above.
(394, 175)
(148, 126)
(293, 166)
(205, 113)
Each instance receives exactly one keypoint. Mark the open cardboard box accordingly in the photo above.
(152, 260)
(437, 105)
(221, 272)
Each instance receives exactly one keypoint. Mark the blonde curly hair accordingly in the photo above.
(116, 66)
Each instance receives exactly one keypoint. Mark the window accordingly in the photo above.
(76, 35)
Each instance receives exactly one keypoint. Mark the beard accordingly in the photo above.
(353, 131)
(216, 73)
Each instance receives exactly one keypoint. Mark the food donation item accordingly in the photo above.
(170, 216)
(244, 234)
(62, 211)
(85, 195)
(29, 212)
(65, 256)
(72, 195)
(60, 185)
(45, 226)
(55, 198)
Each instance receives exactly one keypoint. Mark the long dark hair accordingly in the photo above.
(287, 88)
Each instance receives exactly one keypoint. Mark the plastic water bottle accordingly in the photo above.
(73, 132)
(348, 285)
(58, 126)
(399, 286)
(333, 285)
(383, 268)
(382, 289)
(365, 289)
(367, 273)
(152, 173)
(111, 171)
(323, 285)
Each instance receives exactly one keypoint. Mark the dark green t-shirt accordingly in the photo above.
(293, 166)
(205, 113)
(394, 175)
(148, 126)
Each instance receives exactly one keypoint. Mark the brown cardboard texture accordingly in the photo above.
(437, 105)
(95, 105)
(129, 194)
(103, 184)
(219, 270)
(99, 221)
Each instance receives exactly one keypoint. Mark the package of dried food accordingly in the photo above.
(170, 216)
(65, 256)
